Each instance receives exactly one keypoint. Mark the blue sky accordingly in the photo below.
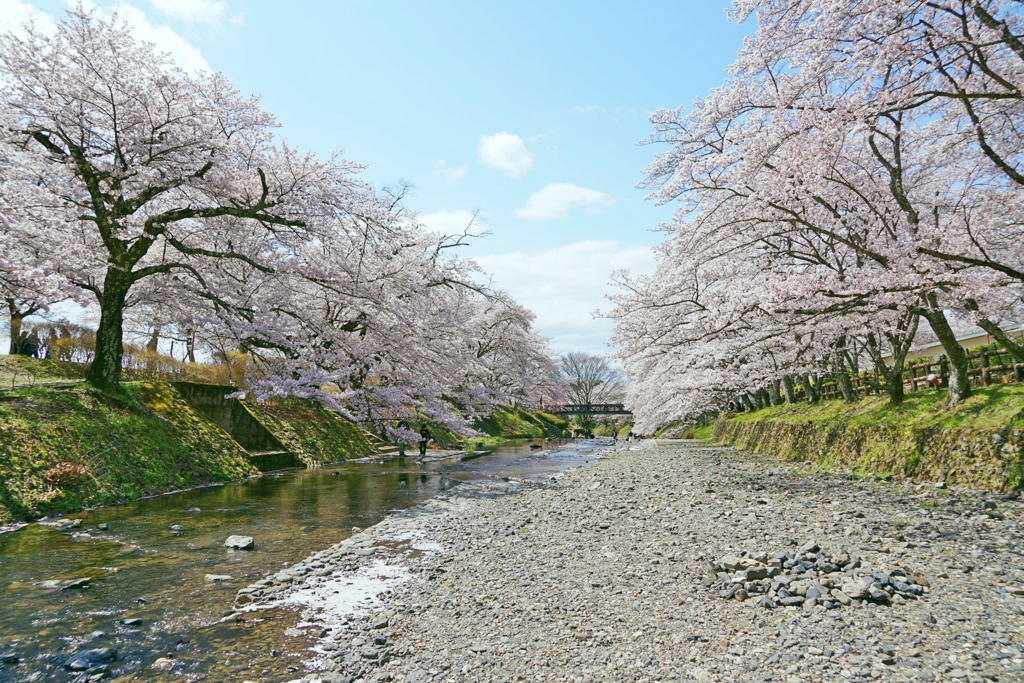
(528, 112)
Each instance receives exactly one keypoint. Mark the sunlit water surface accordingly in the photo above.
(141, 568)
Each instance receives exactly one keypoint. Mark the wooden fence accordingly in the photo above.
(988, 365)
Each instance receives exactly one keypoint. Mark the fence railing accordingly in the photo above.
(987, 366)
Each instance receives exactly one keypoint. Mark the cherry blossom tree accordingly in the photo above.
(854, 174)
(146, 169)
(176, 205)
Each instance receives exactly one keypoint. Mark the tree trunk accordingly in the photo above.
(813, 395)
(774, 395)
(154, 340)
(190, 345)
(748, 403)
(959, 379)
(900, 343)
(788, 389)
(105, 370)
(16, 317)
(846, 386)
(1016, 349)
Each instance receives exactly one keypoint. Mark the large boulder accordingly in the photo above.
(240, 542)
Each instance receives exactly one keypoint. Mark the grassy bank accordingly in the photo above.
(515, 423)
(315, 434)
(63, 448)
(979, 443)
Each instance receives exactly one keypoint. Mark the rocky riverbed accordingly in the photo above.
(675, 561)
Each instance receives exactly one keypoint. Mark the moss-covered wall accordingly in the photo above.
(514, 423)
(74, 446)
(985, 458)
(316, 435)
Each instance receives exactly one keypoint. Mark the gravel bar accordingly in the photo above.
(615, 572)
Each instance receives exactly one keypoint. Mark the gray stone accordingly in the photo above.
(842, 597)
(132, 622)
(756, 573)
(294, 632)
(88, 659)
(240, 542)
(217, 578)
(732, 563)
(857, 590)
(380, 622)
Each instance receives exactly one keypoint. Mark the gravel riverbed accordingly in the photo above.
(678, 560)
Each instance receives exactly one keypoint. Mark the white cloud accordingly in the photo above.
(14, 13)
(199, 11)
(450, 175)
(566, 284)
(506, 153)
(556, 199)
(186, 55)
(448, 221)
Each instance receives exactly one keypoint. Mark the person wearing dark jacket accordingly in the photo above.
(424, 438)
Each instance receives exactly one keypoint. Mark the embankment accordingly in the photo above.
(63, 448)
(979, 444)
(515, 423)
(316, 435)
(71, 446)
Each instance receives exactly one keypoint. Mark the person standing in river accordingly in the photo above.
(424, 438)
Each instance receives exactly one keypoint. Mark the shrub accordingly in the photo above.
(66, 474)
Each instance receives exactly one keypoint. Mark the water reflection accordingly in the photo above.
(139, 567)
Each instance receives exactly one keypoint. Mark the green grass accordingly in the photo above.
(314, 433)
(142, 440)
(994, 407)
(511, 423)
(703, 433)
(21, 370)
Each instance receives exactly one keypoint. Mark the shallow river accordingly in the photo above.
(140, 567)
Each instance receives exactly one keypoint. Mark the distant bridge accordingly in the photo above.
(593, 409)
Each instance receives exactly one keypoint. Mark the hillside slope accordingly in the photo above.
(62, 448)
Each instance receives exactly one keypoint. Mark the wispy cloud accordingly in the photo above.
(450, 221)
(555, 200)
(566, 284)
(450, 175)
(506, 153)
(185, 54)
(588, 109)
(14, 13)
(196, 11)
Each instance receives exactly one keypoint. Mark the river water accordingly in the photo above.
(151, 560)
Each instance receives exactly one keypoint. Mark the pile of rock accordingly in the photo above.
(808, 577)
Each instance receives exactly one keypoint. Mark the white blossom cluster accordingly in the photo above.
(858, 175)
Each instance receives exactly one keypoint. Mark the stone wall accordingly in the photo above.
(984, 459)
(229, 414)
